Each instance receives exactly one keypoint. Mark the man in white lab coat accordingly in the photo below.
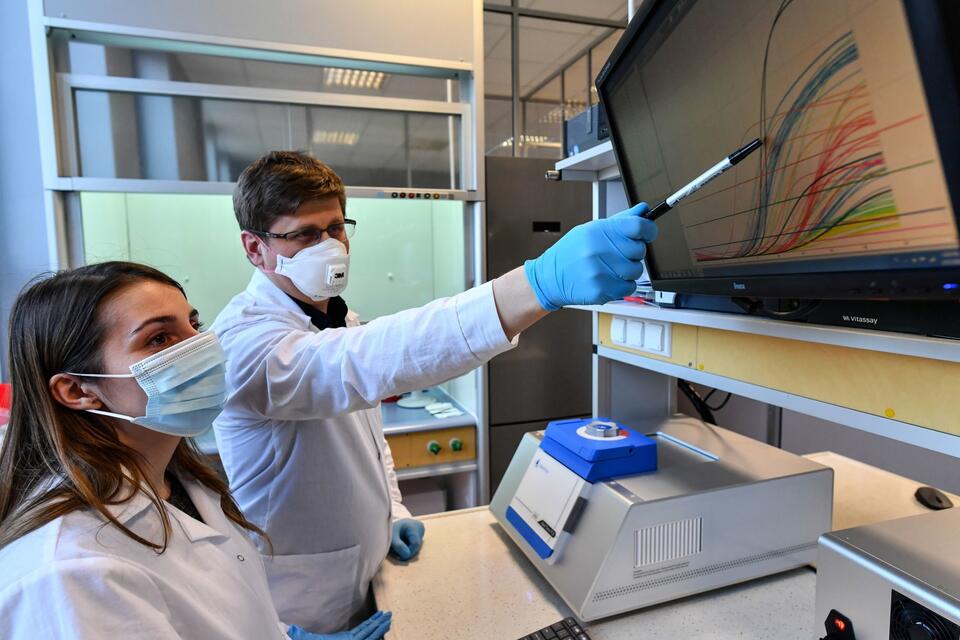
(301, 437)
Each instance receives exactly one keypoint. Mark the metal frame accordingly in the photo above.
(201, 187)
(68, 83)
(55, 99)
(175, 41)
(515, 10)
(471, 89)
(48, 131)
(74, 81)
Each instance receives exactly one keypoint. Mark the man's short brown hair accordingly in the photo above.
(278, 183)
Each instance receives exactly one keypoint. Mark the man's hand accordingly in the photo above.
(594, 262)
(407, 538)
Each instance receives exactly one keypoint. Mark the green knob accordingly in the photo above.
(456, 444)
(433, 447)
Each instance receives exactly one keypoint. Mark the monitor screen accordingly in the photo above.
(850, 178)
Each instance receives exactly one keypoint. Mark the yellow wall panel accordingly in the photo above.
(914, 390)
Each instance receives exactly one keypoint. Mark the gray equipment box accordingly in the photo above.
(898, 579)
(721, 508)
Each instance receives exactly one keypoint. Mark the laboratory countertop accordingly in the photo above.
(471, 582)
(396, 420)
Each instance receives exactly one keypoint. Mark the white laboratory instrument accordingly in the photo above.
(416, 400)
(718, 508)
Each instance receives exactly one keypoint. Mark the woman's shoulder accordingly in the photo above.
(79, 541)
(56, 579)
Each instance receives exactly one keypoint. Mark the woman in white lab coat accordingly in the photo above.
(111, 524)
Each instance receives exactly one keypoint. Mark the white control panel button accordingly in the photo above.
(643, 335)
(653, 336)
(635, 334)
(618, 330)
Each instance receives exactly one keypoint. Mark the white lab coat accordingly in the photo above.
(302, 440)
(80, 577)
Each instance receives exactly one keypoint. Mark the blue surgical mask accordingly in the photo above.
(185, 386)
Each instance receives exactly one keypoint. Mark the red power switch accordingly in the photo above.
(838, 627)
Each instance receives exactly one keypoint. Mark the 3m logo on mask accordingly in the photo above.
(320, 271)
(335, 274)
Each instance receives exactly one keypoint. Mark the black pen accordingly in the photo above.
(703, 179)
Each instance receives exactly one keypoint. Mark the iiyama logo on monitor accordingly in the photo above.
(860, 319)
(739, 286)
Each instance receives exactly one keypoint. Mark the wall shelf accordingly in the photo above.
(397, 420)
(596, 163)
(436, 470)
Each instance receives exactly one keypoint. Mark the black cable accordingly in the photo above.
(701, 407)
(722, 404)
(706, 400)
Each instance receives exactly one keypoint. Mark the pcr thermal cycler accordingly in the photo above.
(617, 519)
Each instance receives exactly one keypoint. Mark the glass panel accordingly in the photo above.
(547, 48)
(543, 123)
(192, 238)
(185, 138)
(576, 79)
(497, 81)
(380, 148)
(607, 9)
(95, 59)
(403, 255)
(499, 128)
(599, 55)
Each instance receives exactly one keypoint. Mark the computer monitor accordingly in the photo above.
(856, 190)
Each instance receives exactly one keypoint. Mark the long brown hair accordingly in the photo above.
(56, 460)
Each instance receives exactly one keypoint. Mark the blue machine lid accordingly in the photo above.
(599, 449)
(570, 434)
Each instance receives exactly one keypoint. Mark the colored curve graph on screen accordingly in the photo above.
(823, 185)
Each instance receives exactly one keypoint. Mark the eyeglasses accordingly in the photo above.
(312, 235)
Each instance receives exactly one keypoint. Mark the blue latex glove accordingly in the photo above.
(594, 262)
(373, 628)
(406, 539)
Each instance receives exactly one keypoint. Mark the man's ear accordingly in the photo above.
(72, 393)
(251, 246)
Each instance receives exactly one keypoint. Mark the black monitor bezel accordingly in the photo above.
(930, 23)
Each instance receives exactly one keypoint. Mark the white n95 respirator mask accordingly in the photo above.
(185, 386)
(320, 271)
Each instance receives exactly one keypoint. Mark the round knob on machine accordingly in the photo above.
(602, 429)
(434, 447)
(456, 444)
